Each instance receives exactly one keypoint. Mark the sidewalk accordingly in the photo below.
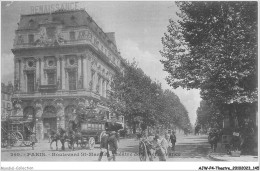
(225, 157)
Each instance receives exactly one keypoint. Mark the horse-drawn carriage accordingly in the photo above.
(20, 133)
(90, 133)
(84, 133)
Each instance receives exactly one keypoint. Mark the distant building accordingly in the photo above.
(62, 60)
(6, 103)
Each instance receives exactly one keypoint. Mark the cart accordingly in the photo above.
(91, 132)
(18, 133)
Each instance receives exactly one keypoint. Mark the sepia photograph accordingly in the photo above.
(165, 82)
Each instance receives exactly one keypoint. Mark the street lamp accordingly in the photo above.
(36, 121)
(9, 109)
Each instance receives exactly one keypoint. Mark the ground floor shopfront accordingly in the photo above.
(52, 113)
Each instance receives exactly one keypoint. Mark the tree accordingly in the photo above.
(213, 47)
(143, 102)
(208, 115)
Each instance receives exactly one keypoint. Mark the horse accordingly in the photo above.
(60, 135)
(73, 135)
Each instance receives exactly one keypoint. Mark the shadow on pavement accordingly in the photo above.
(205, 137)
(130, 149)
(192, 150)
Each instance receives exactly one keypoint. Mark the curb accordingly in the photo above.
(214, 158)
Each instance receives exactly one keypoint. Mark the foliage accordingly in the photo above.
(208, 115)
(213, 47)
(143, 102)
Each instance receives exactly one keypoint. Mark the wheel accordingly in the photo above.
(91, 143)
(142, 151)
(16, 139)
(27, 143)
(3, 143)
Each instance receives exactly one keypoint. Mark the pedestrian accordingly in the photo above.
(113, 145)
(247, 135)
(235, 140)
(159, 147)
(111, 142)
(167, 143)
(173, 140)
(30, 135)
(213, 139)
(104, 146)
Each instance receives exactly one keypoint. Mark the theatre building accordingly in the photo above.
(62, 60)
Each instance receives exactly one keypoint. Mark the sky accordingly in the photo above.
(138, 26)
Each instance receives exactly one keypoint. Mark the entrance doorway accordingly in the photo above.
(48, 125)
(49, 120)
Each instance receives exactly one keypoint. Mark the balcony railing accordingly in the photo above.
(60, 93)
(47, 87)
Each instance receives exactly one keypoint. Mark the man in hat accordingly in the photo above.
(104, 145)
(110, 140)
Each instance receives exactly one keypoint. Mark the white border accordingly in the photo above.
(123, 165)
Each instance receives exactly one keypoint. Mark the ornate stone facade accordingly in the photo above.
(60, 65)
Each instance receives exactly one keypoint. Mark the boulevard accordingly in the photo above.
(188, 148)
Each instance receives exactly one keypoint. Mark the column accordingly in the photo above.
(42, 72)
(94, 81)
(37, 68)
(37, 73)
(39, 129)
(58, 72)
(39, 122)
(108, 85)
(105, 88)
(97, 88)
(66, 80)
(22, 77)
(85, 74)
(63, 73)
(16, 67)
(101, 86)
(16, 75)
(89, 72)
(60, 115)
(79, 72)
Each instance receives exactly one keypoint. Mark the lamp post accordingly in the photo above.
(36, 121)
(8, 127)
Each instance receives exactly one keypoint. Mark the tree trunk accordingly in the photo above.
(134, 129)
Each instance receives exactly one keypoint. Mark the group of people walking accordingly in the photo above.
(159, 145)
(162, 146)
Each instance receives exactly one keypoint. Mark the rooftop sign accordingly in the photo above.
(54, 7)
